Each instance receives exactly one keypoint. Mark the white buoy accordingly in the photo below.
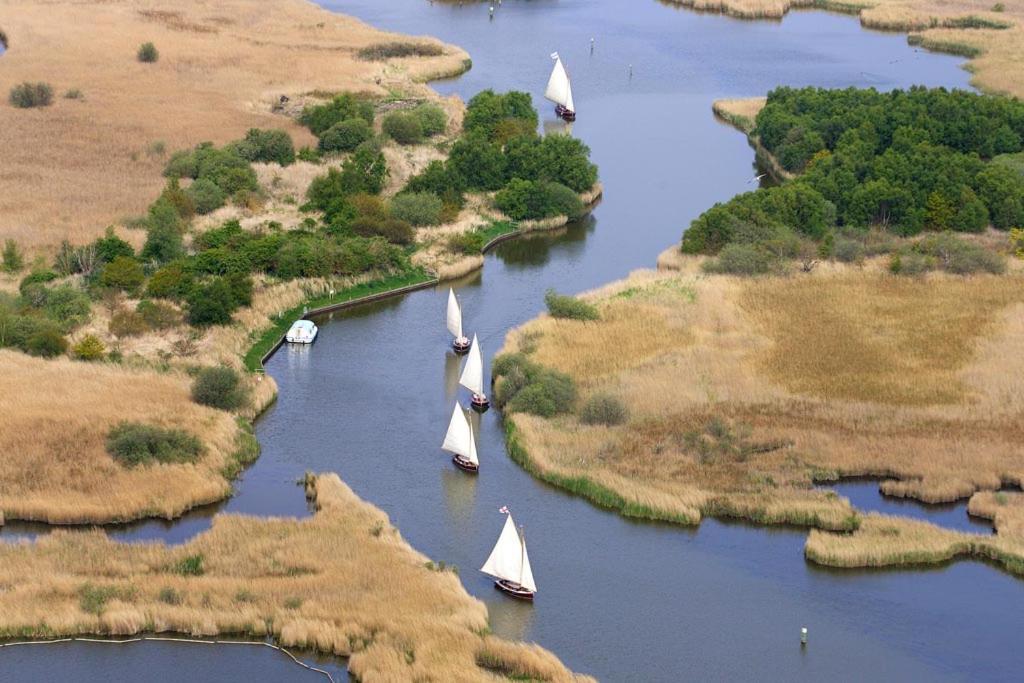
(803, 636)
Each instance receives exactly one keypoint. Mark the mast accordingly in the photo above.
(473, 374)
(454, 315)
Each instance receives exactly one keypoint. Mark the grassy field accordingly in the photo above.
(55, 466)
(990, 34)
(342, 582)
(81, 164)
(742, 392)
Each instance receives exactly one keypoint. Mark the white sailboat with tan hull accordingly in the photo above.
(460, 443)
(460, 343)
(509, 563)
(559, 90)
(473, 376)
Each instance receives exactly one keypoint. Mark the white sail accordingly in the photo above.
(471, 455)
(559, 90)
(454, 315)
(473, 374)
(506, 560)
(526, 573)
(459, 439)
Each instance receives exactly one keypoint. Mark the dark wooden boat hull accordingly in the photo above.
(465, 465)
(565, 113)
(479, 403)
(514, 589)
(462, 347)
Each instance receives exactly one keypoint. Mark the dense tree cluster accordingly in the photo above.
(903, 161)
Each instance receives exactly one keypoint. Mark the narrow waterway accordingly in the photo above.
(621, 600)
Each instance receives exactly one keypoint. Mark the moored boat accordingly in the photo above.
(460, 443)
(460, 343)
(509, 562)
(473, 377)
(301, 332)
(559, 90)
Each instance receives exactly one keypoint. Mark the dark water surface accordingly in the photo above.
(621, 600)
(865, 495)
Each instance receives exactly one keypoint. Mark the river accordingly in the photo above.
(621, 600)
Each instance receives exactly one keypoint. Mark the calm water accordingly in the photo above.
(624, 601)
(865, 495)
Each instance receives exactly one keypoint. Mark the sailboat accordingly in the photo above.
(460, 344)
(460, 443)
(473, 376)
(559, 90)
(509, 564)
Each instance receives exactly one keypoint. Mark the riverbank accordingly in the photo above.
(342, 582)
(741, 393)
(991, 36)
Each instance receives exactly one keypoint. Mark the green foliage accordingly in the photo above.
(318, 118)
(468, 243)
(27, 95)
(569, 307)
(487, 109)
(345, 136)
(169, 282)
(403, 127)
(127, 323)
(529, 387)
(478, 161)
(530, 199)
(147, 53)
(124, 273)
(220, 387)
(89, 348)
(158, 315)
(67, 306)
(416, 208)
(46, 342)
(308, 154)
(364, 171)
(206, 196)
(13, 260)
(380, 51)
(110, 246)
(163, 241)
(213, 302)
(394, 230)
(134, 443)
(93, 599)
(432, 118)
(34, 278)
(190, 565)
(604, 409)
(956, 255)
(270, 146)
(226, 168)
(169, 596)
(743, 259)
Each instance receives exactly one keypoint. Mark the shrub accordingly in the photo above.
(13, 261)
(955, 255)
(169, 282)
(271, 146)
(206, 196)
(417, 208)
(604, 409)
(345, 136)
(468, 243)
(369, 206)
(561, 306)
(134, 443)
(93, 599)
(219, 387)
(433, 120)
(89, 348)
(212, 303)
(533, 199)
(74, 94)
(46, 342)
(182, 164)
(910, 263)
(403, 127)
(318, 118)
(847, 250)
(364, 171)
(68, 306)
(124, 273)
(147, 53)
(36, 277)
(308, 154)
(127, 323)
(28, 95)
(742, 259)
(110, 246)
(529, 387)
(158, 315)
(381, 51)
(393, 230)
(169, 596)
(191, 565)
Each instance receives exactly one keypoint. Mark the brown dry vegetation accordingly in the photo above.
(74, 167)
(993, 40)
(844, 372)
(342, 582)
(55, 467)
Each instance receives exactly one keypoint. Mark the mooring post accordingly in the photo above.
(803, 637)
(591, 46)
(492, 11)
(630, 72)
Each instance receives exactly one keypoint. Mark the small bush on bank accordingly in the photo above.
(13, 261)
(213, 302)
(124, 273)
(345, 136)
(219, 387)
(134, 443)
(169, 282)
(381, 51)
(270, 146)
(742, 259)
(29, 95)
(534, 199)
(110, 246)
(417, 208)
(319, 117)
(604, 409)
(468, 243)
(206, 196)
(561, 306)
(90, 348)
(403, 127)
(147, 53)
(528, 387)
(433, 120)
(393, 230)
(191, 565)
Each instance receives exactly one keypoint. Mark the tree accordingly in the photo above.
(364, 171)
(403, 127)
(345, 136)
(271, 146)
(320, 117)
(124, 273)
(479, 161)
(13, 261)
(938, 212)
(110, 246)
(163, 243)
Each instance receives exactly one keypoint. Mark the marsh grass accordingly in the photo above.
(322, 583)
(381, 51)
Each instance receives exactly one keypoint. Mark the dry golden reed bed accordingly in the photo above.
(54, 465)
(72, 168)
(842, 372)
(342, 582)
(993, 39)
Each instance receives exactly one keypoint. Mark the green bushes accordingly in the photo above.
(393, 230)
(124, 273)
(743, 259)
(89, 348)
(416, 208)
(528, 199)
(219, 387)
(227, 168)
(381, 51)
(214, 301)
(947, 252)
(169, 282)
(158, 315)
(133, 443)
(270, 146)
(433, 120)
(468, 243)
(110, 246)
(67, 306)
(319, 118)
(206, 196)
(604, 409)
(487, 109)
(29, 330)
(13, 261)
(147, 53)
(27, 95)
(46, 342)
(403, 127)
(190, 565)
(569, 307)
(345, 136)
(528, 387)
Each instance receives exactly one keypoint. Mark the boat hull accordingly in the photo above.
(479, 403)
(465, 465)
(514, 590)
(461, 345)
(564, 113)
